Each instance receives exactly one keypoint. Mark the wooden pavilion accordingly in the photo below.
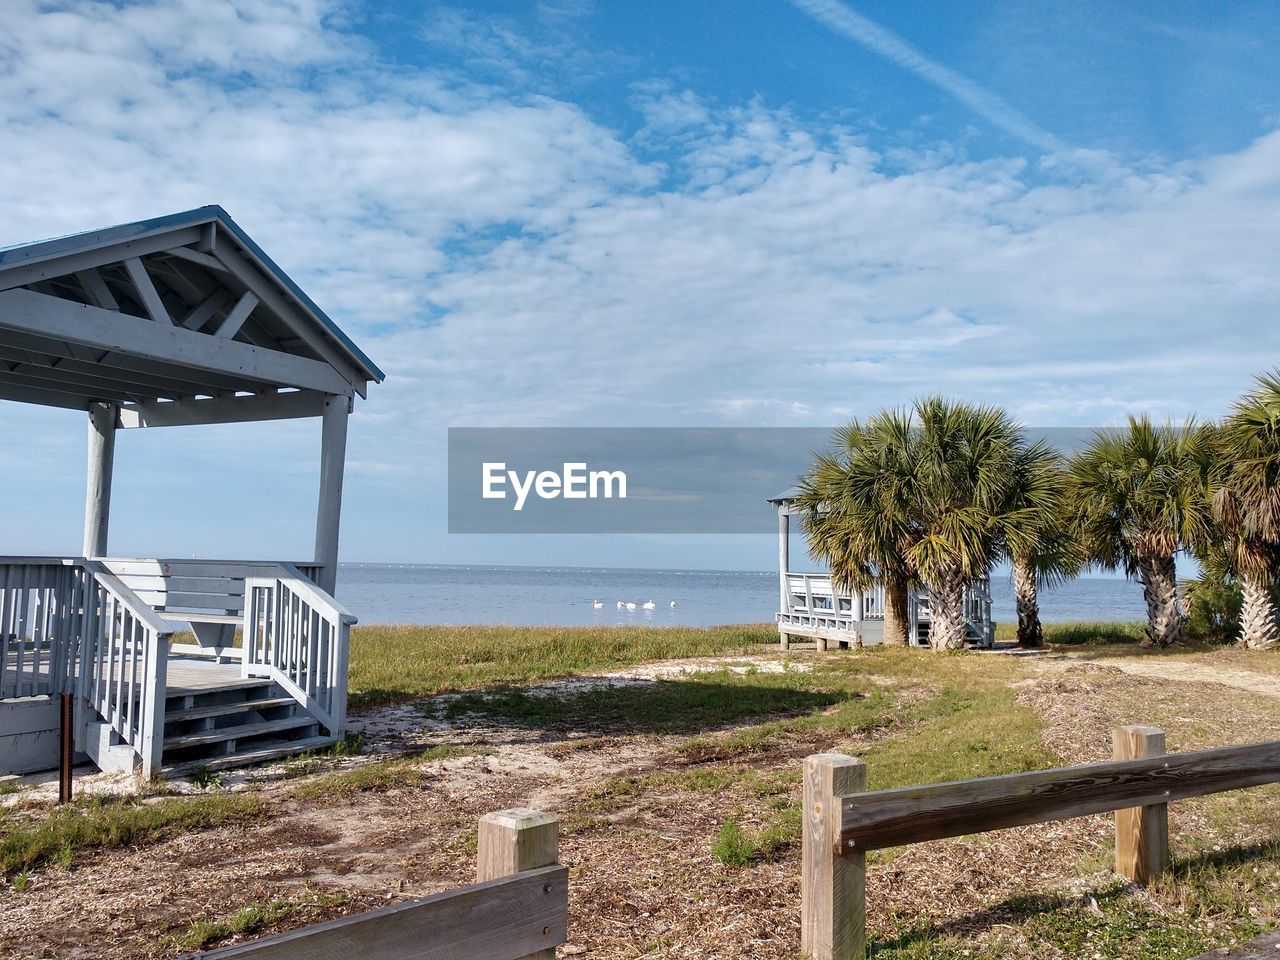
(810, 606)
(176, 321)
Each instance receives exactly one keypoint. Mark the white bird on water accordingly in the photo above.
(597, 604)
(631, 606)
(649, 605)
(673, 604)
(621, 604)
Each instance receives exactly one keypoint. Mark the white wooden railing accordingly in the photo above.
(124, 664)
(298, 635)
(40, 601)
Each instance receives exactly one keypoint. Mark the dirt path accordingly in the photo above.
(1169, 668)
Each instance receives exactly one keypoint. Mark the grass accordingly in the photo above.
(709, 701)
(98, 823)
(733, 778)
(256, 917)
(379, 776)
(1079, 633)
(398, 663)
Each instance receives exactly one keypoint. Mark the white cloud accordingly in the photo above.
(509, 260)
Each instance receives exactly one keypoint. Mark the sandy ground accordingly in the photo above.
(643, 881)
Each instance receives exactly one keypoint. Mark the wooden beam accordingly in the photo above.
(19, 274)
(1142, 833)
(236, 316)
(505, 919)
(97, 494)
(43, 398)
(97, 289)
(93, 385)
(890, 818)
(147, 294)
(198, 258)
(289, 312)
(34, 313)
(231, 409)
(182, 381)
(205, 309)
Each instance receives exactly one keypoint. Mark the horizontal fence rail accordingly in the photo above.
(505, 919)
(890, 818)
(915, 814)
(842, 822)
(517, 911)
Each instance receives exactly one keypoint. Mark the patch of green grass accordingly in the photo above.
(853, 713)
(959, 734)
(95, 823)
(732, 847)
(379, 776)
(708, 701)
(204, 778)
(1080, 633)
(256, 917)
(399, 663)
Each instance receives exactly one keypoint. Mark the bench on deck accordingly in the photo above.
(207, 595)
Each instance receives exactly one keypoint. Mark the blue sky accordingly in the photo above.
(565, 213)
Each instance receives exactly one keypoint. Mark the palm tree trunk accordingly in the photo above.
(895, 610)
(946, 612)
(1258, 626)
(1160, 590)
(1025, 591)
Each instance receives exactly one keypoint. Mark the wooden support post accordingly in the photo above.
(784, 550)
(97, 495)
(333, 456)
(1142, 833)
(512, 841)
(833, 884)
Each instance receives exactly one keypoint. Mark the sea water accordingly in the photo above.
(384, 593)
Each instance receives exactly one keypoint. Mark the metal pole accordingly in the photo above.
(66, 745)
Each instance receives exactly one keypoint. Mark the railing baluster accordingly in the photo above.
(6, 606)
(20, 628)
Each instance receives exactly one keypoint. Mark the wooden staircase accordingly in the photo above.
(250, 721)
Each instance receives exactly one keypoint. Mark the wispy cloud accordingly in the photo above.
(845, 21)
(510, 260)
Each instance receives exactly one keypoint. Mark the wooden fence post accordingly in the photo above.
(832, 889)
(512, 841)
(1142, 833)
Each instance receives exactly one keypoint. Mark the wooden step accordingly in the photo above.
(239, 732)
(260, 755)
(223, 709)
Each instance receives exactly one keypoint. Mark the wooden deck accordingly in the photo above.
(191, 675)
(187, 675)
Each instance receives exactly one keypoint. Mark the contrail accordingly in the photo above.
(836, 16)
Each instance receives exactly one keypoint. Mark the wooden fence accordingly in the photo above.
(516, 911)
(842, 822)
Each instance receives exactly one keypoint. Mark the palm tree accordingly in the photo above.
(916, 495)
(1139, 495)
(1247, 506)
(1038, 493)
(857, 519)
(965, 456)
